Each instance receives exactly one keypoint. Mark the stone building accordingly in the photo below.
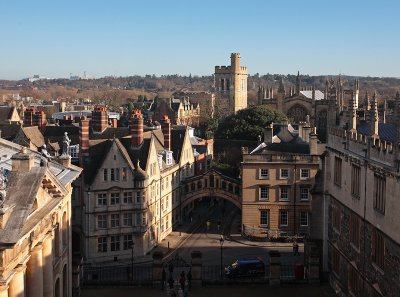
(131, 189)
(358, 226)
(230, 84)
(35, 214)
(206, 101)
(179, 111)
(277, 177)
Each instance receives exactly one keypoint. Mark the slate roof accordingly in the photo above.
(5, 113)
(177, 139)
(9, 131)
(22, 188)
(111, 133)
(386, 132)
(318, 94)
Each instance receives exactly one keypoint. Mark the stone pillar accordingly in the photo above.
(313, 270)
(34, 273)
(17, 284)
(47, 258)
(274, 268)
(196, 268)
(157, 268)
(3, 291)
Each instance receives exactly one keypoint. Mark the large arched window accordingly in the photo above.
(297, 113)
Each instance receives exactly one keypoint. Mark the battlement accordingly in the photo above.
(222, 69)
(374, 148)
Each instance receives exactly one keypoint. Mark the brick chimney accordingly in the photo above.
(39, 119)
(83, 138)
(99, 119)
(136, 128)
(28, 117)
(166, 129)
(22, 161)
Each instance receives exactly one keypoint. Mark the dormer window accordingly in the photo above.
(160, 160)
(168, 158)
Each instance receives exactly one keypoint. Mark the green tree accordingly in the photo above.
(248, 123)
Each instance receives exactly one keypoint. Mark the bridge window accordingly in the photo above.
(230, 188)
(217, 183)
(211, 181)
(205, 183)
(237, 190)
(186, 188)
(199, 184)
(192, 187)
(223, 185)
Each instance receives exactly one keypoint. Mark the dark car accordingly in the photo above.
(245, 267)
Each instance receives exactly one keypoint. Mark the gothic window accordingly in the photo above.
(297, 113)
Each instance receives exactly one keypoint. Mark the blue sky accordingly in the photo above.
(54, 38)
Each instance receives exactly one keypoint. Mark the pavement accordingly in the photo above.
(256, 290)
(181, 233)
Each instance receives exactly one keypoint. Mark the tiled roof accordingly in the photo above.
(34, 135)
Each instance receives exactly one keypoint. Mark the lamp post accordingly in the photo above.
(221, 243)
(132, 246)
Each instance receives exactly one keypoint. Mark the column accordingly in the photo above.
(17, 284)
(3, 291)
(47, 258)
(34, 273)
(274, 268)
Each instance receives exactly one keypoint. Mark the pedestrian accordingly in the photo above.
(208, 224)
(182, 281)
(163, 278)
(296, 249)
(171, 282)
(189, 278)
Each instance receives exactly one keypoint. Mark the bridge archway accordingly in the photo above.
(212, 184)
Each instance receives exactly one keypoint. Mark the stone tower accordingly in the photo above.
(231, 86)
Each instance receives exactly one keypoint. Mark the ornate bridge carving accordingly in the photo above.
(212, 184)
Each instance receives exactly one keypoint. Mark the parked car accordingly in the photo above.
(245, 267)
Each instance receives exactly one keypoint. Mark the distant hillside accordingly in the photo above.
(151, 85)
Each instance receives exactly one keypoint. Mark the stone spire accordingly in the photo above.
(281, 88)
(353, 115)
(367, 102)
(298, 83)
(271, 92)
(313, 92)
(374, 117)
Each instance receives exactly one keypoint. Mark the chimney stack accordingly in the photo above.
(28, 117)
(39, 119)
(313, 142)
(268, 133)
(136, 128)
(22, 161)
(166, 129)
(83, 138)
(99, 119)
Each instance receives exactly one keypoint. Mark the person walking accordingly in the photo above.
(182, 281)
(189, 278)
(171, 282)
(163, 278)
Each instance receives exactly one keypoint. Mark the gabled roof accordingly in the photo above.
(34, 135)
(6, 113)
(9, 131)
(177, 140)
(22, 188)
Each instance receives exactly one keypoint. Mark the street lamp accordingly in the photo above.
(132, 246)
(221, 242)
